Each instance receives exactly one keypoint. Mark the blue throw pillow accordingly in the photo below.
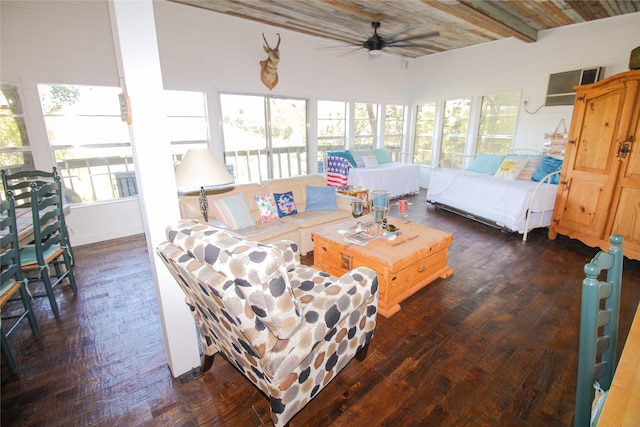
(383, 155)
(548, 165)
(345, 154)
(321, 199)
(285, 203)
(486, 163)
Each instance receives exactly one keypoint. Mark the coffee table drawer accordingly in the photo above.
(403, 283)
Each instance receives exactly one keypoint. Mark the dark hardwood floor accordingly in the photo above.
(493, 345)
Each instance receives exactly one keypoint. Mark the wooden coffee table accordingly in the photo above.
(405, 265)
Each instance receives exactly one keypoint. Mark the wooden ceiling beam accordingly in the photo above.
(491, 10)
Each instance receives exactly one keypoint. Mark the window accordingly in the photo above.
(454, 132)
(332, 128)
(187, 122)
(394, 130)
(15, 150)
(497, 123)
(365, 125)
(89, 140)
(265, 137)
(425, 128)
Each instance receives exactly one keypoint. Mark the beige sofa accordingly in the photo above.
(297, 228)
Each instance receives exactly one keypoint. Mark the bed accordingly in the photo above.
(399, 178)
(514, 205)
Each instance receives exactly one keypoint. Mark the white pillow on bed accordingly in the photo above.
(370, 161)
(511, 168)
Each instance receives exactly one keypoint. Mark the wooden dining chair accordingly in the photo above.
(20, 184)
(599, 312)
(50, 246)
(12, 282)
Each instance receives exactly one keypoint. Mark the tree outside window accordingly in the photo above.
(394, 130)
(498, 120)
(365, 125)
(454, 132)
(425, 128)
(89, 140)
(15, 149)
(332, 129)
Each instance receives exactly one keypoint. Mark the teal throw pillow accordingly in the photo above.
(345, 154)
(486, 163)
(548, 165)
(383, 155)
(285, 203)
(321, 199)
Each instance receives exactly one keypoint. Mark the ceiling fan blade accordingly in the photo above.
(418, 36)
(352, 52)
(339, 47)
(420, 46)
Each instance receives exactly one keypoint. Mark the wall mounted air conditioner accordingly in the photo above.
(560, 90)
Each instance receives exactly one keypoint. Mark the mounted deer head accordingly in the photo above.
(269, 67)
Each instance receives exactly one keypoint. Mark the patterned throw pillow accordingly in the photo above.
(529, 169)
(266, 207)
(285, 203)
(370, 161)
(511, 168)
(233, 211)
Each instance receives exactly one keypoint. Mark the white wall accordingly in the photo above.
(71, 42)
(511, 65)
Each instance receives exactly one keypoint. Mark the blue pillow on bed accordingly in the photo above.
(548, 165)
(382, 155)
(486, 163)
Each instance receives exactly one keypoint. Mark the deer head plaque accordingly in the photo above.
(269, 67)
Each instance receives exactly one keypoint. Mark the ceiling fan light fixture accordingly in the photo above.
(375, 52)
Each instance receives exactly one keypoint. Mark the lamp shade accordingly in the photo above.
(200, 168)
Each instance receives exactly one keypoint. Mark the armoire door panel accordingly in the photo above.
(582, 205)
(599, 129)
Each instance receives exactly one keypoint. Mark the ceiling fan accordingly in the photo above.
(376, 43)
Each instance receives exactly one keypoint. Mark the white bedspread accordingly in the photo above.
(498, 199)
(398, 178)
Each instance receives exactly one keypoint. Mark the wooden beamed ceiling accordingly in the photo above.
(461, 23)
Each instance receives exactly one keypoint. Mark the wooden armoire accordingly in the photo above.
(599, 190)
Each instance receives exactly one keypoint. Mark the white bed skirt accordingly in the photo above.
(398, 178)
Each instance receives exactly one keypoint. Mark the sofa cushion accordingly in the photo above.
(308, 219)
(285, 203)
(321, 198)
(233, 211)
(382, 155)
(486, 163)
(266, 207)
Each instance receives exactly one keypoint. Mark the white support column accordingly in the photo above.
(135, 39)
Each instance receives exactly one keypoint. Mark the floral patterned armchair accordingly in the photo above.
(287, 327)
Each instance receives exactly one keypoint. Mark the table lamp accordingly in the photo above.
(199, 169)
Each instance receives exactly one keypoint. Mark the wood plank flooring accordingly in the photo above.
(493, 345)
